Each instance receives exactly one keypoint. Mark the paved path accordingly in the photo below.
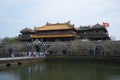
(19, 58)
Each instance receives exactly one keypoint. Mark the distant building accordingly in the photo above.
(64, 32)
(25, 34)
(95, 32)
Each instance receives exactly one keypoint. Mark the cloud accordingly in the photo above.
(30, 13)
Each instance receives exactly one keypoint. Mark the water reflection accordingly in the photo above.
(9, 75)
(62, 71)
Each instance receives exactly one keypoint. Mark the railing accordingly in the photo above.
(94, 35)
(24, 36)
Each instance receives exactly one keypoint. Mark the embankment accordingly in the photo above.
(86, 59)
(12, 62)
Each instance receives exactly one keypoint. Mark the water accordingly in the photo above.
(61, 71)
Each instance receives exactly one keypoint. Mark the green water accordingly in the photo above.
(61, 71)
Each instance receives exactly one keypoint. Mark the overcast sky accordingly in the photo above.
(18, 14)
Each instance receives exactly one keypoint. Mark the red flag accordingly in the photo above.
(105, 24)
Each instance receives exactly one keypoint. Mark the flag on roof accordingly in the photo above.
(105, 24)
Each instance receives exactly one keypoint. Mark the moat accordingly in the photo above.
(61, 71)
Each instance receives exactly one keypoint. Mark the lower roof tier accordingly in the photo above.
(53, 36)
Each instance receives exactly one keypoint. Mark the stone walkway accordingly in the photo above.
(19, 58)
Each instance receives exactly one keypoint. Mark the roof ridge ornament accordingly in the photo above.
(68, 22)
(47, 23)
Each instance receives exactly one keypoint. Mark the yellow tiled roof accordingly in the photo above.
(53, 36)
(54, 27)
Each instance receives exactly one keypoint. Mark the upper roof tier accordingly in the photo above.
(57, 26)
(94, 27)
(26, 30)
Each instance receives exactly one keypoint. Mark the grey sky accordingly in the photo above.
(18, 14)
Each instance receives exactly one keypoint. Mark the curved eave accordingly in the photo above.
(54, 29)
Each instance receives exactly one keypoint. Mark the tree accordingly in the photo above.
(57, 47)
(9, 40)
(0, 40)
(81, 48)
